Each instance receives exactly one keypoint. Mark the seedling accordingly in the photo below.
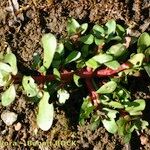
(102, 59)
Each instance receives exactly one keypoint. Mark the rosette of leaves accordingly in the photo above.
(8, 69)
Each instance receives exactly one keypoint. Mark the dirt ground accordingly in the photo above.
(21, 29)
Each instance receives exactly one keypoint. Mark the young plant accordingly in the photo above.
(100, 60)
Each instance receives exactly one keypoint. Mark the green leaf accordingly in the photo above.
(112, 64)
(49, 44)
(137, 59)
(108, 87)
(115, 105)
(95, 122)
(62, 95)
(45, 114)
(10, 59)
(110, 112)
(5, 67)
(76, 80)
(56, 74)
(60, 48)
(120, 30)
(127, 137)
(36, 61)
(117, 50)
(145, 124)
(99, 42)
(8, 96)
(102, 58)
(86, 109)
(135, 107)
(143, 42)
(111, 26)
(92, 64)
(121, 123)
(5, 78)
(110, 125)
(87, 39)
(73, 56)
(147, 69)
(85, 50)
(31, 89)
(83, 27)
(98, 30)
(72, 26)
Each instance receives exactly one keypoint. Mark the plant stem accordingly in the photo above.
(83, 73)
(93, 95)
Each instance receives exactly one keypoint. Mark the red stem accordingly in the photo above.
(93, 95)
(83, 73)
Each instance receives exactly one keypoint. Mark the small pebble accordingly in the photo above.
(17, 126)
(8, 117)
(144, 140)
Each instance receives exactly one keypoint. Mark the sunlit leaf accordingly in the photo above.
(10, 59)
(135, 107)
(102, 58)
(30, 87)
(108, 87)
(111, 26)
(5, 67)
(99, 42)
(45, 114)
(115, 104)
(60, 48)
(98, 30)
(87, 39)
(56, 74)
(73, 56)
(137, 59)
(110, 125)
(110, 112)
(92, 64)
(143, 42)
(117, 50)
(112, 64)
(5, 78)
(49, 44)
(62, 95)
(8, 96)
(120, 30)
(83, 27)
(72, 26)
(76, 80)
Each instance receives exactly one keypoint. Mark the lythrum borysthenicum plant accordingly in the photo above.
(102, 59)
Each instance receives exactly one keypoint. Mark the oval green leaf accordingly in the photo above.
(49, 44)
(143, 42)
(73, 56)
(10, 59)
(112, 64)
(87, 39)
(109, 87)
(117, 50)
(111, 26)
(102, 58)
(8, 96)
(72, 26)
(45, 113)
(29, 86)
(110, 125)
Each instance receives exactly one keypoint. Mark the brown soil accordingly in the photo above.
(21, 30)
